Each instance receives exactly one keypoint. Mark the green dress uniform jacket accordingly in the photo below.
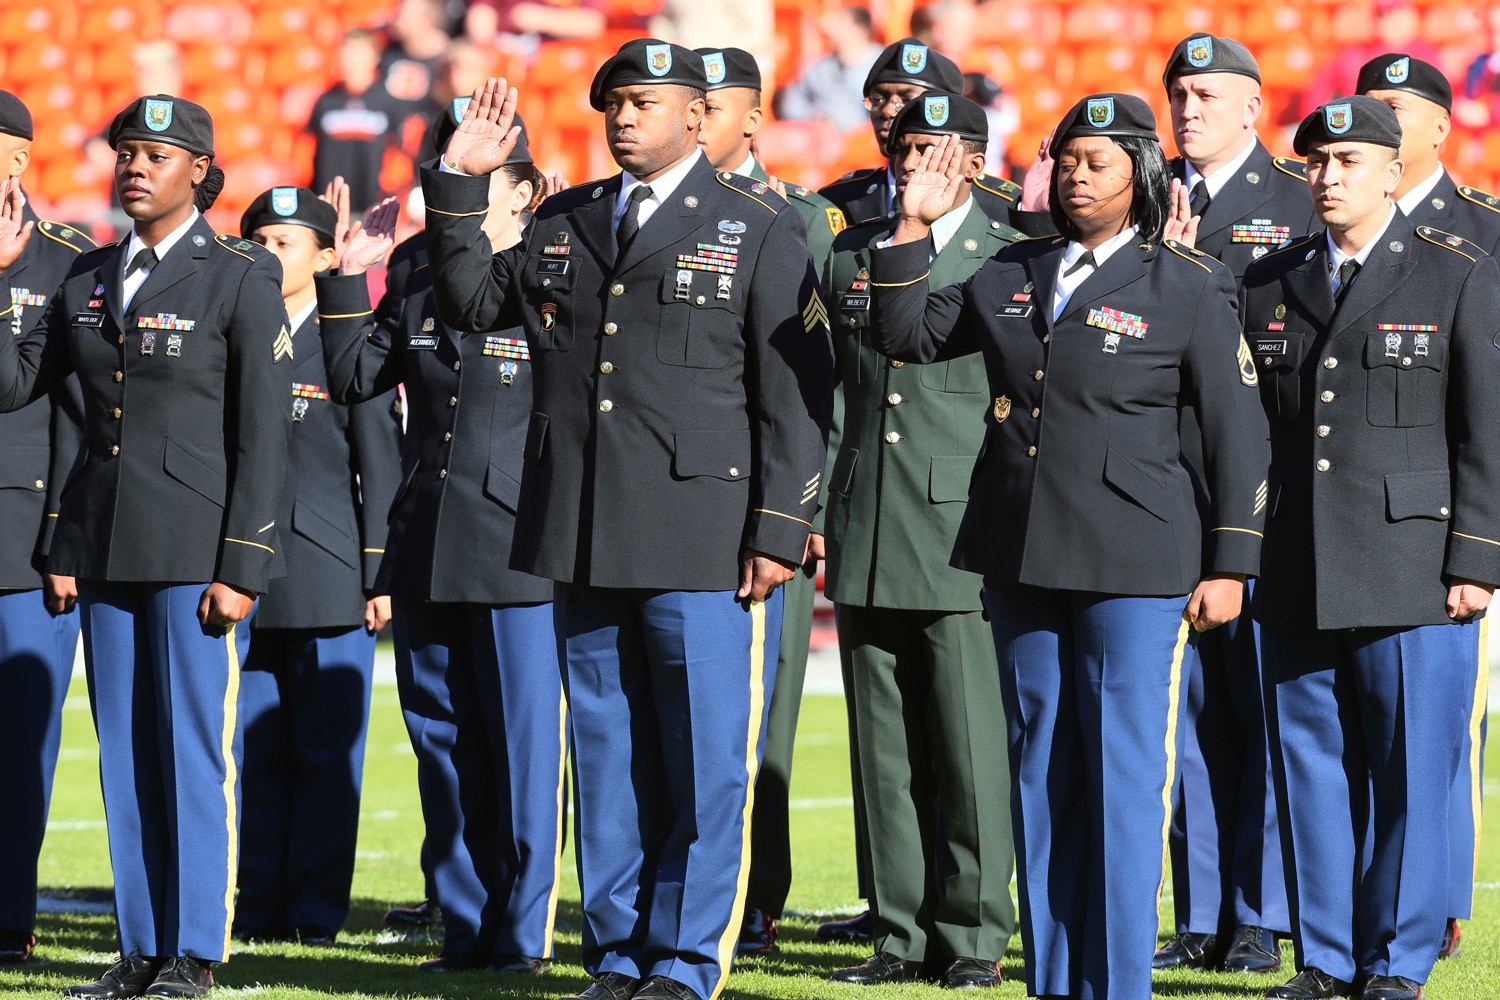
(820, 217)
(186, 419)
(900, 482)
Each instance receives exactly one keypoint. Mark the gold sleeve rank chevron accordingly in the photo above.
(815, 313)
(283, 346)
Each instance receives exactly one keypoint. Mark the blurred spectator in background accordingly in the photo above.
(1004, 114)
(528, 23)
(832, 89)
(1478, 103)
(750, 24)
(418, 38)
(1398, 28)
(463, 67)
(355, 122)
(946, 27)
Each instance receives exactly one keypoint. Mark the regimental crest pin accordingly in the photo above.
(284, 201)
(1200, 52)
(1398, 71)
(1002, 408)
(158, 115)
(935, 110)
(1101, 111)
(913, 58)
(714, 68)
(659, 59)
(1339, 117)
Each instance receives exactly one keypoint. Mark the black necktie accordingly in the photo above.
(630, 219)
(1087, 260)
(145, 259)
(1199, 197)
(1347, 270)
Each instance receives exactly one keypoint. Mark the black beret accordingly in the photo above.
(909, 61)
(446, 123)
(724, 68)
(1114, 115)
(164, 118)
(14, 118)
(937, 113)
(1349, 119)
(1397, 71)
(289, 206)
(1203, 53)
(645, 61)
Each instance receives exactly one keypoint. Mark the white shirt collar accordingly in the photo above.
(661, 188)
(892, 197)
(1068, 283)
(164, 247)
(1409, 201)
(1102, 253)
(295, 323)
(748, 167)
(1215, 181)
(1337, 257)
(944, 229)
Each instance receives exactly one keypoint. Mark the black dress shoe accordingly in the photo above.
(882, 967)
(1451, 936)
(1391, 988)
(421, 917)
(182, 977)
(128, 977)
(662, 988)
(971, 974)
(520, 965)
(1310, 984)
(450, 963)
(608, 986)
(15, 946)
(856, 928)
(1254, 950)
(1187, 951)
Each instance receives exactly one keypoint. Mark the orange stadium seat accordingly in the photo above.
(290, 22)
(210, 62)
(24, 22)
(295, 63)
(799, 152)
(227, 23)
(107, 21)
(1002, 23)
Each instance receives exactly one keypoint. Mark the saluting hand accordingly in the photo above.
(1182, 224)
(224, 604)
(485, 138)
(1036, 186)
(15, 231)
(931, 190)
(760, 574)
(368, 243)
(1217, 599)
(1467, 598)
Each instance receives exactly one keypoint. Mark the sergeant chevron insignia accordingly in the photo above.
(814, 314)
(283, 347)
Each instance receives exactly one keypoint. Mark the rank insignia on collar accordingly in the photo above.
(561, 239)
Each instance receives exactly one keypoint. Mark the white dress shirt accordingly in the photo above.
(1068, 283)
(661, 190)
(1409, 201)
(301, 317)
(1336, 257)
(132, 282)
(1215, 181)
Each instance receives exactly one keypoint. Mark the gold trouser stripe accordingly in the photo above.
(731, 934)
(457, 215)
(241, 541)
(562, 781)
(1174, 699)
(231, 775)
(1476, 721)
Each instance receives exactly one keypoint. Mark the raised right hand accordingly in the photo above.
(337, 195)
(15, 231)
(369, 242)
(485, 139)
(933, 187)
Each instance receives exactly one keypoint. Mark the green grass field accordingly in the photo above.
(364, 963)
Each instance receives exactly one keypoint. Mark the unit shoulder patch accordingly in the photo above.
(1295, 168)
(73, 239)
(1479, 197)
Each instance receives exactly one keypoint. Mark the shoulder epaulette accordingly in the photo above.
(1193, 254)
(1001, 231)
(750, 188)
(856, 173)
(999, 187)
(856, 176)
(1296, 168)
(1289, 245)
(574, 195)
(1457, 244)
(73, 239)
(244, 248)
(1478, 197)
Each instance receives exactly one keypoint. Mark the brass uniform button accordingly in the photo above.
(1443, 511)
(733, 472)
(606, 367)
(1036, 412)
(1031, 452)
(617, 289)
(119, 413)
(457, 365)
(447, 436)
(1406, 362)
(898, 364)
(1330, 363)
(605, 406)
(891, 437)
(452, 400)
(114, 449)
(894, 399)
(41, 484)
(1328, 396)
(1038, 374)
(1324, 465)
(119, 376)
(1324, 430)
(611, 329)
(442, 473)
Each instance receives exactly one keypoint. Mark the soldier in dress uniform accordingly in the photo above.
(38, 626)
(732, 115)
(904, 70)
(1422, 99)
(911, 627)
(305, 689)
(1098, 564)
(673, 466)
(1226, 856)
(1374, 342)
(169, 521)
(476, 651)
